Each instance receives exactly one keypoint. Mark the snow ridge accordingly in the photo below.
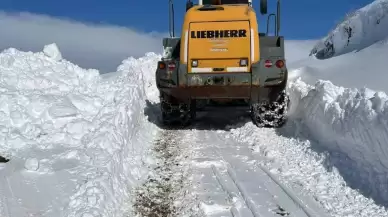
(76, 140)
(124, 127)
(352, 123)
(131, 132)
(359, 30)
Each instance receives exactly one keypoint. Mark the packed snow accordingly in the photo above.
(229, 180)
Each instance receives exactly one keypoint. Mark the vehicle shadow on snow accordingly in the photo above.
(205, 120)
(353, 175)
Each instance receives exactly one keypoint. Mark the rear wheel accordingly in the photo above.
(175, 111)
(271, 114)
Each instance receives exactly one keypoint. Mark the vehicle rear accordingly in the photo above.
(221, 43)
(215, 47)
(221, 56)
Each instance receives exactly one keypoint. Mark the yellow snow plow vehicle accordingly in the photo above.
(221, 58)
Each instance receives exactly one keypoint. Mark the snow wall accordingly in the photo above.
(86, 136)
(352, 125)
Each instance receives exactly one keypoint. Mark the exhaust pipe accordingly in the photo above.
(278, 18)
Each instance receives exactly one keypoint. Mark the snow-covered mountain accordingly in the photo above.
(365, 68)
(360, 67)
(358, 30)
(84, 144)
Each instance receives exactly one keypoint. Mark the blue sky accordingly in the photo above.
(75, 26)
(301, 19)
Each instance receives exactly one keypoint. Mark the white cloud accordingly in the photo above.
(88, 45)
(97, 46)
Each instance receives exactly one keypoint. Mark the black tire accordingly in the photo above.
(271, 114)
(175, 112)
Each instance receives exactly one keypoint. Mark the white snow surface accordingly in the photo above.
(52, 50)
(333, 149)
(365, 47)
(351, 125)
(365, 68)
(358, 30)
(77, 142)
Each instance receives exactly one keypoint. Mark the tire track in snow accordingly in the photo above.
(228, 181)
(256, 210)
(284, 196)
(234, 198)
(158, 196)
(249, 190)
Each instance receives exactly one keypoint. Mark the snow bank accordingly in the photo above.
(292, 160)
(76, 141)
(359, 30)
(145, 68)
(350, 123)
(333, 148)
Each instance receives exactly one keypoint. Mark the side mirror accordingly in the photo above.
(189, 4)
(263, 6)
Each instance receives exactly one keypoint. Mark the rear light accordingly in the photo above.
(268, 63)
(243, 62)
(171, 66)
(279, 63)
(162, 65)
(194, 63)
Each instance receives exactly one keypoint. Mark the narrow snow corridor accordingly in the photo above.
(226, 177)
(238, 169)
(76, 143)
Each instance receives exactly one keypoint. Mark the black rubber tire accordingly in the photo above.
(181, 117)
(271, 114)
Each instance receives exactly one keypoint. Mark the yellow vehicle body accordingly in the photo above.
(219, 39)
(221, 59)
